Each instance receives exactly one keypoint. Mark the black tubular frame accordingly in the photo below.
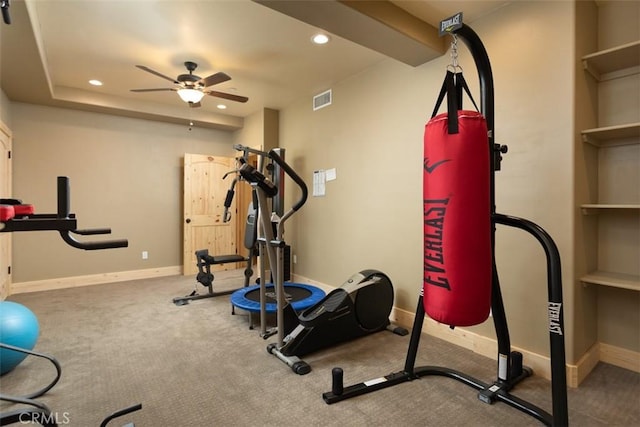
(35, 410)
(510, 371)
(64, 222)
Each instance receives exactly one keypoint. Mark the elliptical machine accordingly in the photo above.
(361, 306)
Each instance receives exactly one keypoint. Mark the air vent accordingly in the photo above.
(322, 100)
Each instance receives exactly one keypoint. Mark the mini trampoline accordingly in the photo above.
(301, 297)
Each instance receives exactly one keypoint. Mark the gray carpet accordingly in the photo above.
(197, 365)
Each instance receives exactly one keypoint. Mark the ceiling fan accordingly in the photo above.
(192, 88)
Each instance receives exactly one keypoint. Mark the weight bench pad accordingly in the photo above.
(24, 210)
(223, 259)
(6, 212)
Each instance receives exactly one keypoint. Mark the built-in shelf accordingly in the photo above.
(594, 208)
(613, 135)
(610, 206)
(601, 64)
(616, 280)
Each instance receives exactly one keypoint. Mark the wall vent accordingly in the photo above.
(322, 100)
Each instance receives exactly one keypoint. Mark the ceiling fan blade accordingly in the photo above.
(152, 90)
(149, 70)
(214, 79)
(228, 96)
(195, 104)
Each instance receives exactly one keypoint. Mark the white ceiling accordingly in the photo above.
(52, 49)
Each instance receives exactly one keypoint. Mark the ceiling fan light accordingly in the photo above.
(190, 95)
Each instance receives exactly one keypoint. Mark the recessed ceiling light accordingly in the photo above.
(222, 106)
(320, 39)
(95, 82)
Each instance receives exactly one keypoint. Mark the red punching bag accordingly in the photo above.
(457, 212)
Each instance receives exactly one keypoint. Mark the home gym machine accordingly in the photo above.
(18, 216)
(510, 369)
(271, 245)
(204, 261)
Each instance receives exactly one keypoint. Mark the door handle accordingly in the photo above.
(188, 220)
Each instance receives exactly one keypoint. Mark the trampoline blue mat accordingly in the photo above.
(239, 298)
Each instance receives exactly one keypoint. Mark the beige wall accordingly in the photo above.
(260, 130)
(125, 174)
(372, 134)
(5, 109)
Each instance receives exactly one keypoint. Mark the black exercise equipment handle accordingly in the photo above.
(64, 204)
(121, 413)
(252, 175)
(92, 231)
(40, 412)
(63, 221)
(92, 246)
(273, 155)
(4, 4)
(230, 193)
(51, 359)
(246, 150)
(228, 201)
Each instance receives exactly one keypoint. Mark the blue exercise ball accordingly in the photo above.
(19, 328)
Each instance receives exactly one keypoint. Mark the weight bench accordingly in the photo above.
(204, 261)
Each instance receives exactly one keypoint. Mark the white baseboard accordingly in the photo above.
(92, 279)
(620, 357)
(578, 372)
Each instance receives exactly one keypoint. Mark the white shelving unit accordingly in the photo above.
(604, 66)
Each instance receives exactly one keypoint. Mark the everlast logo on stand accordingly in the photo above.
(450, 24)
(434, 268)
(555, 325)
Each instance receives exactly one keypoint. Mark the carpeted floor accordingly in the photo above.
(197, 365)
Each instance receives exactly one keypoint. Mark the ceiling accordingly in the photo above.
(52, 48)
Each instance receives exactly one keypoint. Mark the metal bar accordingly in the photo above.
(64, 202)
(416, 331)
(266, 231)
(556, 314)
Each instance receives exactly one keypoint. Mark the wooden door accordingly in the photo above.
(5, 192)
(204, 195)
